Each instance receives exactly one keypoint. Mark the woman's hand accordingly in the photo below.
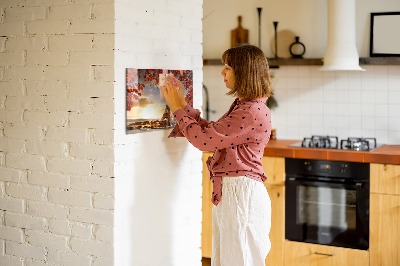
(174, 93)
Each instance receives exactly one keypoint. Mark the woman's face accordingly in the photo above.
(229, 76)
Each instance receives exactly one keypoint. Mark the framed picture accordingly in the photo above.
(146, 109)
(385, 34)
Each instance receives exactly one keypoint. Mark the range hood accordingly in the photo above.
(341, 51)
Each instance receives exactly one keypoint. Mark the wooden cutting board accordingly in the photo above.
(239, 35)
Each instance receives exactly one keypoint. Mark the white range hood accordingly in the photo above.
(341, 51)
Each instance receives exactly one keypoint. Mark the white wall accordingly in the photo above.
(305, 18)
(158, 180)
(344, 103)
(56, 132)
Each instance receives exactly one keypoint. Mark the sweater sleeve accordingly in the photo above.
(193, 113)
(229, 131)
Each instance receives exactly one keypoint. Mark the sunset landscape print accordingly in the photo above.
(146, 109)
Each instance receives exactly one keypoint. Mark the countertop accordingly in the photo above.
(387, 154)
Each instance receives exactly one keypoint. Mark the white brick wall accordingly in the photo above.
(56, 132)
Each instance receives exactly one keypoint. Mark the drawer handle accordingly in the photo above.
(324, 254)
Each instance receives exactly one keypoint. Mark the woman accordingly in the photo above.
(242, 208)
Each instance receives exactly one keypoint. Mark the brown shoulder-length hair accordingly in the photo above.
(250, 66)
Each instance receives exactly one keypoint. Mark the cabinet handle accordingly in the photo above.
(324, 254)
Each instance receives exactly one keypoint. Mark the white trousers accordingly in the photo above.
(241, 223)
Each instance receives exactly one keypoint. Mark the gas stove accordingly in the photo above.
(332, 142)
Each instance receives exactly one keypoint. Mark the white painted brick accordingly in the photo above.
(24, 132)
(44, 27)
(12, 204)
(71, 42)
(46, 2)
(74, 135)
(46, 209)
(25, 250)
(91, 247)
(92, 151)
(11, 88)
(12, 29)
(48, 179)
(25, 161)
(24, 13)
(99, 120)
(100, 105)
(2, 191)
(3, 44)
(46, 58)
(25, 103)
(95, 216)
(105, 233)
(25, 221)
(81, 73)
(103, 41)
(46, 148)
(11, 233)
(56, 103)
(46, 118)
(70, 12)
(93, 184)
(47, 240)
(82, 230)
(2, 158)
(2, 222)
(60, 227)
(68, 258)
(32, 262)
(12, 145)
(103, 202)
(21, 43)
(11, 59)
(101, 136)
(12, 117)
(104, 73)
(26, 191)
(11, 260)
(70, 166)
(104, 169)
(69, 197)
(103, 11)
(29, 73)
(91, 26)
(91, 89)
(96, 57)
(45, 88)
(107, 259)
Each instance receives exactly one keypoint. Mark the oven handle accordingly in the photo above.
(357, 185)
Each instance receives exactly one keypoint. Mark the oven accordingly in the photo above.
(327, 202)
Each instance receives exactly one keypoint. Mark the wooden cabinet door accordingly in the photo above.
(206, 226)
(305, 254)
(385, 178)
(384, 236)
(274, 168)
(277, 233)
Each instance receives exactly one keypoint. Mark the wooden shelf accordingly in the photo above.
(274, 63)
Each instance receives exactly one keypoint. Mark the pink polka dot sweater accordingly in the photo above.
(238, 139)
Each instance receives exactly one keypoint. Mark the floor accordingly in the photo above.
(206, 261)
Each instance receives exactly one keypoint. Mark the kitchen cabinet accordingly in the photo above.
(385, 214)
(305, 254)
(274, 168)
(206, 225)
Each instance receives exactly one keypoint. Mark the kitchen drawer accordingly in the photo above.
(274, 168)
(385, 178)
(305, 254)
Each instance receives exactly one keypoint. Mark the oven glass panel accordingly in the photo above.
(326, 207)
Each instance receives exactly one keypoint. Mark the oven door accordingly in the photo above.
(327, 213)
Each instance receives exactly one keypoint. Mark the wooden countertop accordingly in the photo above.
(389, 154)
